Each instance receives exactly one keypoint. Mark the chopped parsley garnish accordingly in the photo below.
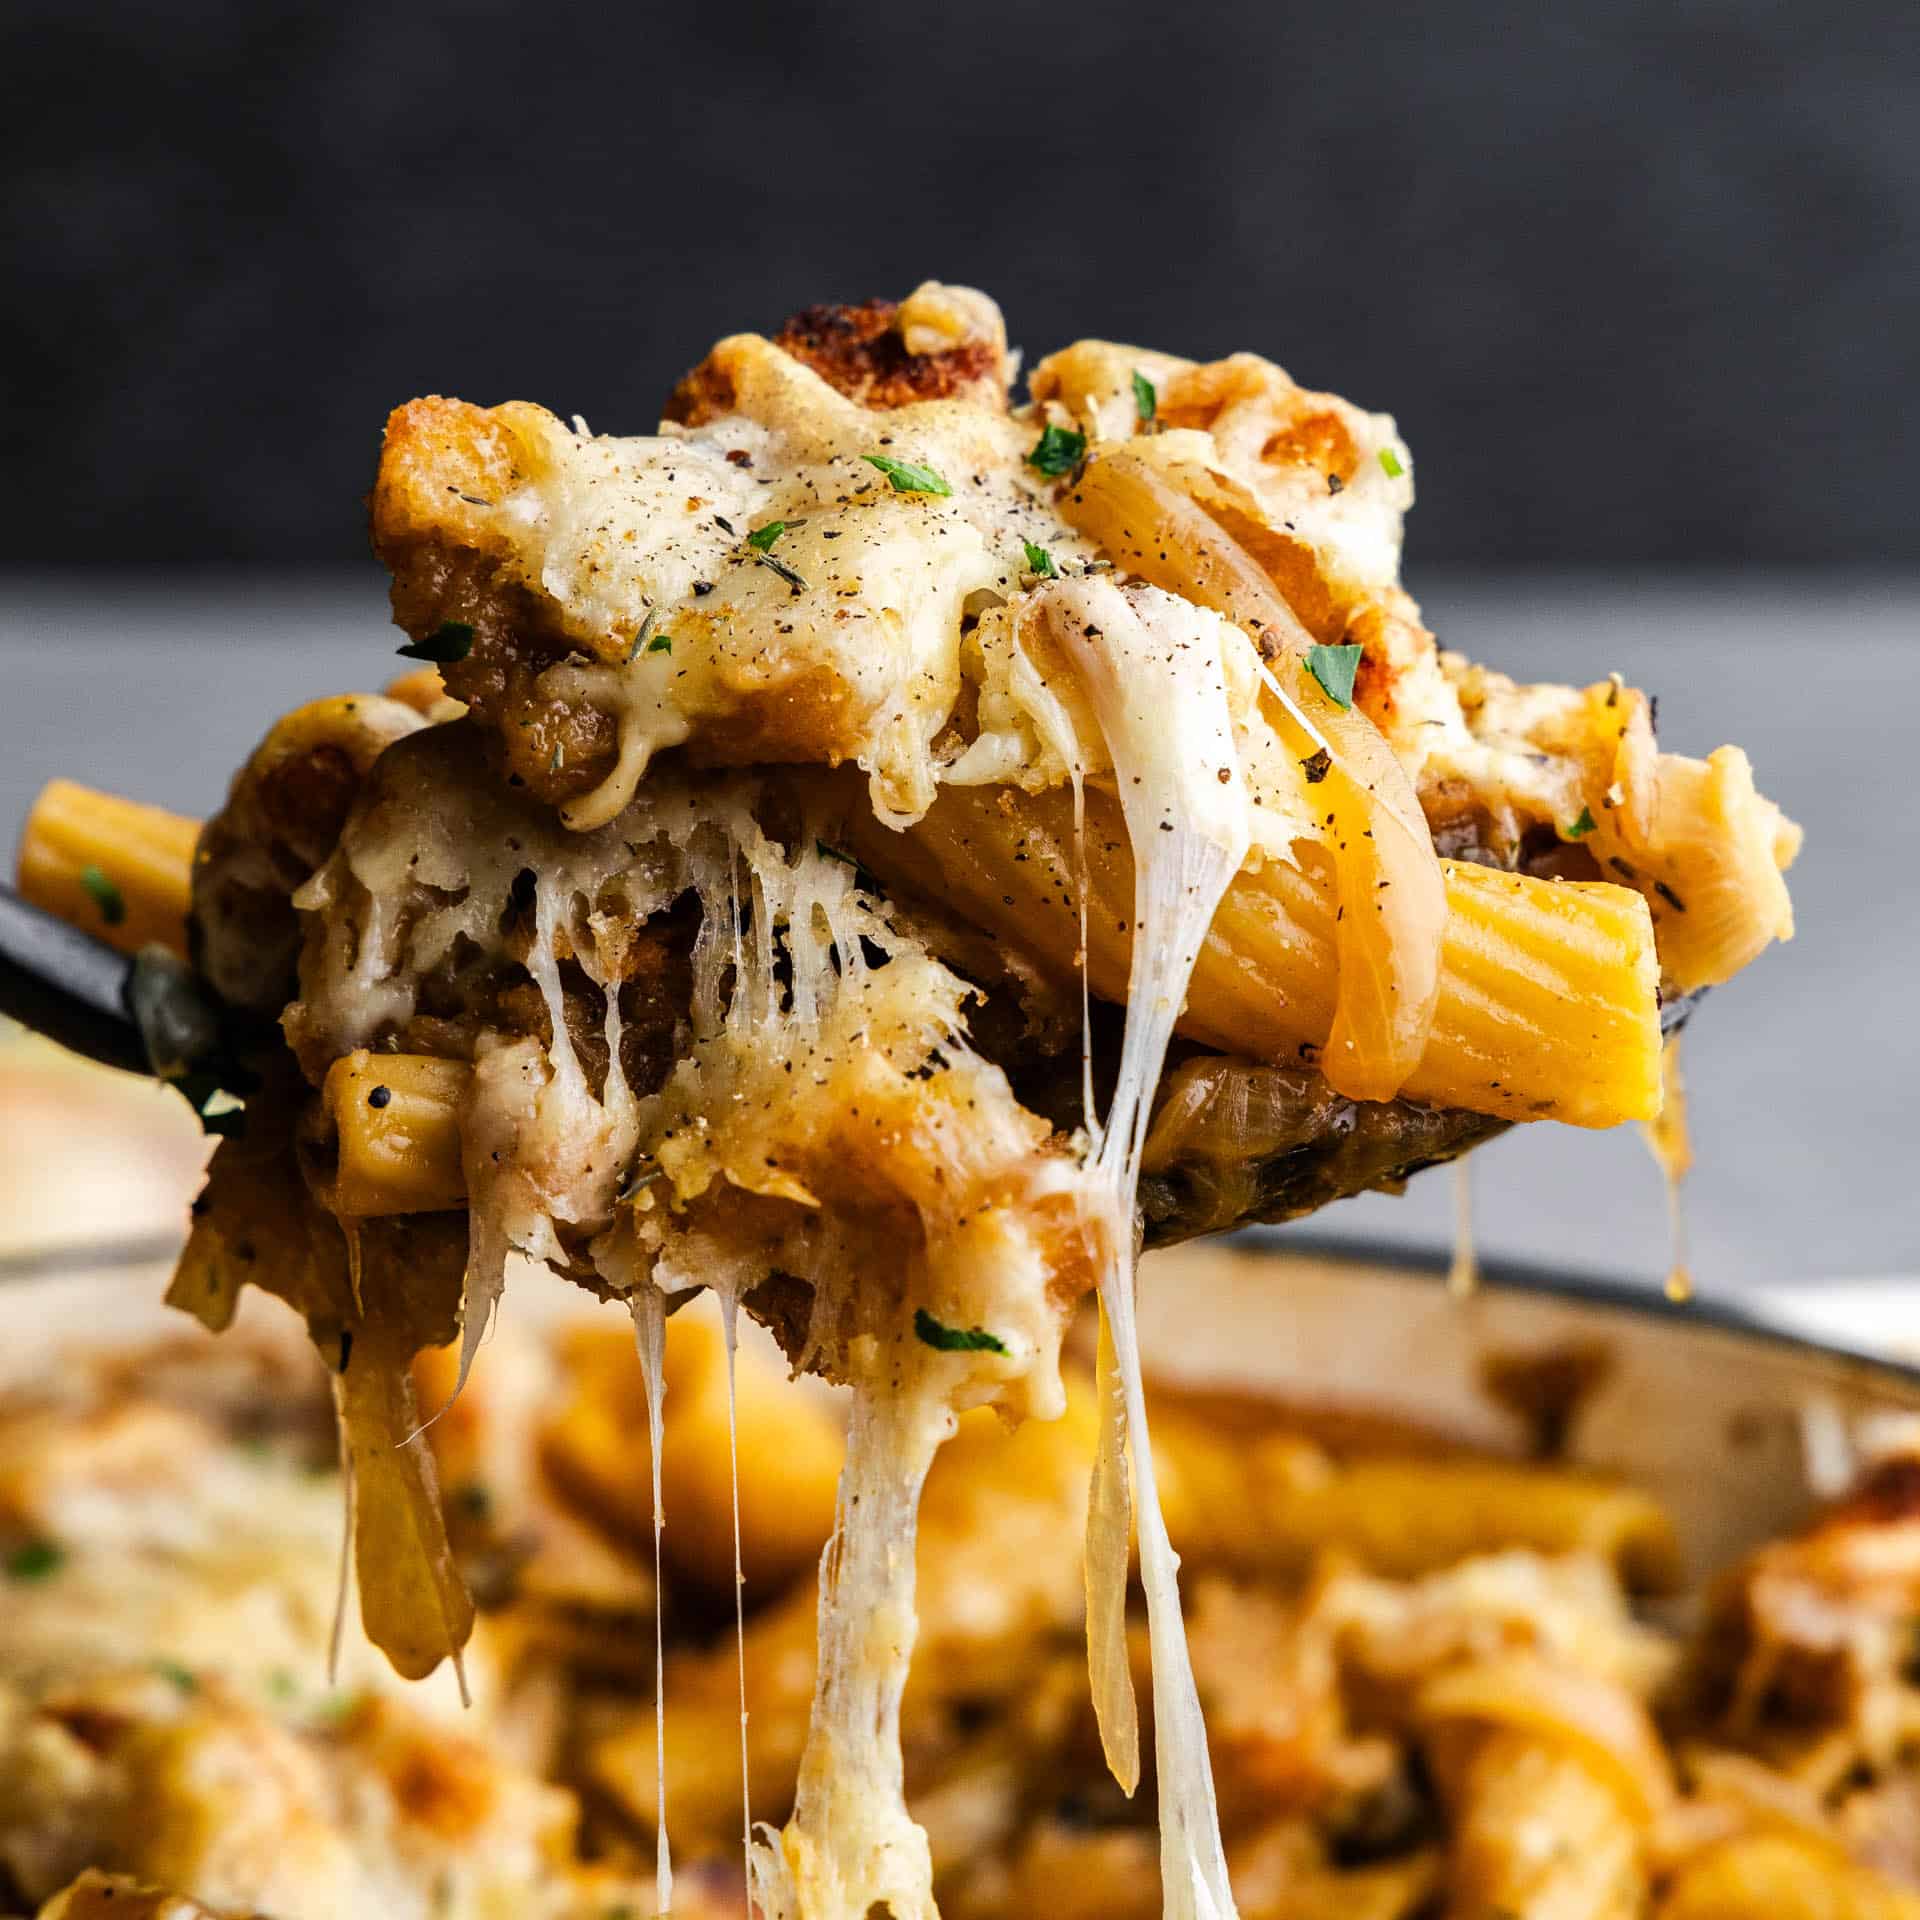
(182, 1677)
(1579, 829)
(1146, 402)
(451, 640)
(660, 643)
(1334, 668)
(1058, 450)
(1390, 463)
(761, 539)
(282, 1684)
(1316, 766)
(106, 896)
(905, 476)
(37, 1560)
(1040, 562)
(936, 1333)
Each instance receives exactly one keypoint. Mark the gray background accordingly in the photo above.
(1640, 280)
(1803, 1070)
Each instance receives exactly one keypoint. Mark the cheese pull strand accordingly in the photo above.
(851, 1845)
(1152, 671)
(1392, 903)
(649, 1308)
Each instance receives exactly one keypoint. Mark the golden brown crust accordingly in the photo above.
(701, 394)
(1395, 646)
(861, 351)
(284, 812)
(442, 464)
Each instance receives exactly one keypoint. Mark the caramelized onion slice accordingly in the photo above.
(1392, 901)
(257, 1224)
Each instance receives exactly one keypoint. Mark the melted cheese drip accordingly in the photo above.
(1153, 669)
(649, 1308)
(851, 1844)
(1671, 1145)
(865, 649)
(1109, 1534)
(1463, 1271)
(825, 1100)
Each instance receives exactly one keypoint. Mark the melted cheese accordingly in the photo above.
(1153, 670)
(842, 640)
(825, 1120)
(649, 1309)
(851, 1844)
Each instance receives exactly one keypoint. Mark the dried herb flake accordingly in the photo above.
(37, 1560)
(451, 640)
(183, 1678)
(106, 896)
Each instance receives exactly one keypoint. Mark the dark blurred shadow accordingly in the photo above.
(1640, 280)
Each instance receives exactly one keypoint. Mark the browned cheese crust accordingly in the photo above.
(861, 351)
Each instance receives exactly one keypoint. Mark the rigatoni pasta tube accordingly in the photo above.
(1552, 1777)
(790, 1451)
(1273, 1502)
(117, 868)
(393, 1125)
(1785, 1876)
(1710, 866)
(1539, 1835)
(1549, 990)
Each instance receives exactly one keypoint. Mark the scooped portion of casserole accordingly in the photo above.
(869, 845)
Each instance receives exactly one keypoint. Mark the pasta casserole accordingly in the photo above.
(870, 849)
(1432, 1683)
